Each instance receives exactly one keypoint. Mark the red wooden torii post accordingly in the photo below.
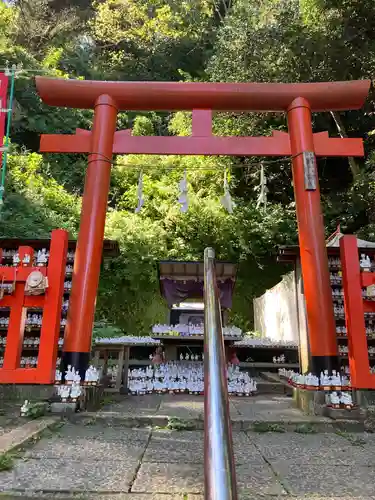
(297, 100)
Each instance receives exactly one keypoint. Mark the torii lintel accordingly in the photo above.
(201, 142)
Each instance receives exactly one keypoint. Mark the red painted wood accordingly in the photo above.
(29, 301)
(16, 329)
(88, 256)
(179, 96)
(367, 279)
(50, 331)
(22, 272)
(278, 145)
(19, 303)
(314, 260)
(22, 251)
(361, 377)
(3, 105)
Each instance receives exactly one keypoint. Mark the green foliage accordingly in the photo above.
(36, 410)
(305, 429)
(103, 329)
(152, 40)
(35, 203)
(267, 427)
(6, 462)
(179, 424)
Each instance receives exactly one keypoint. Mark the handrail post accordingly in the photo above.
(219, 468)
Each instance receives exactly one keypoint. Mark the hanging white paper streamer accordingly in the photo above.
(226, 200)
(183, 199)
(262, 198)
(140, 193)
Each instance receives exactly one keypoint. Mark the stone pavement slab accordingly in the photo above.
(187, 406)
(95, 496)
(102, 432)
(272, 408)
(254, 496)
(189, 478)
(28, 430)
(136, 405)
(157, 496)
(329, 449)
(188, 446)
(69, 475)
(93, 443)
(363, 444)
(326, 480)
(168, 478)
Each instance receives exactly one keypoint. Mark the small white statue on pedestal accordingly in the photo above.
(63, 391)
(25, 408)
(335, 400)
(181, 357)
(336, 380)
(94, 375)
(346, 400)
(365, 263)
(26, 260)
(58, 376)
(77, 377)
(88, 376)
(345, 382)
(69, 375)
(75, 391)
(41, 258)
(16, 259)
(325, 381)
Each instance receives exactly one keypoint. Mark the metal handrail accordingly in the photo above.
(219, 468)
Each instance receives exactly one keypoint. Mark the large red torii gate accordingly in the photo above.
(297, 100)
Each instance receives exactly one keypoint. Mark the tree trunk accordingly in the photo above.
(354, 167)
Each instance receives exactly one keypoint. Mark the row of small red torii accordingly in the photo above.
(297, 100)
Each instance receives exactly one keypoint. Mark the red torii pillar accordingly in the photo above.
(298, 100)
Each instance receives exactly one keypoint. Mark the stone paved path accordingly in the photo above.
(104, 462)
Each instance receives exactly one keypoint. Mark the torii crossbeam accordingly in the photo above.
(297, 100)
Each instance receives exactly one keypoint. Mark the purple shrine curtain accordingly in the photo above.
(177, 291)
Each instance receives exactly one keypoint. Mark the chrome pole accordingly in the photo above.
(219, 468)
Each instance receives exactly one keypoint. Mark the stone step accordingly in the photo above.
(268, 387)
(302, 425)
(275, 379)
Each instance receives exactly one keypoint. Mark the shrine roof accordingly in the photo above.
(289, 254)
(183, 280)
(194, 270)
(110, 247)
